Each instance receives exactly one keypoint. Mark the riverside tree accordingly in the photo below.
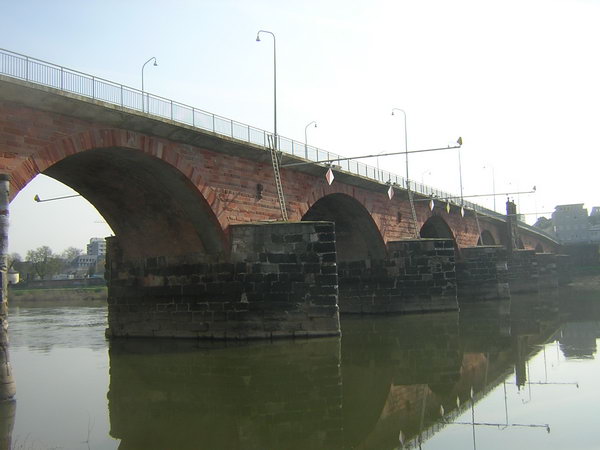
(44, 262)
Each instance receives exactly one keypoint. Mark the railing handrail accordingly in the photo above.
(382, 176)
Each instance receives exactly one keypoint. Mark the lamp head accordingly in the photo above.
(37, 198)
(392, 112)
(459, 141)
(315, 124)
(257, 37)
(155, 63)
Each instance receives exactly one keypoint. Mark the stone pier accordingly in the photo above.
(280, 280)
(416, 276)
(7, 383)
(482, 273)
(547, 270)
(523, 272)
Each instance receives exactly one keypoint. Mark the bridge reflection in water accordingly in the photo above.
(386, 377)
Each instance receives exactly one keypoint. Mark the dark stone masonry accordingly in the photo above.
(482, 273)
(417, 276)
(280, 281)
(523, 272)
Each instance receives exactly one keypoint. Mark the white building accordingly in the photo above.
(96, 247)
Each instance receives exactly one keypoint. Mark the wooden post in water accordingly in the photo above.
(7, 383)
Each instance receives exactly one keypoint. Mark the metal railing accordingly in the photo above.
(47, 74)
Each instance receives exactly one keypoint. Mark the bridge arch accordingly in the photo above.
(357, 235)
(153, 208)
(486, 238)
(436, 227)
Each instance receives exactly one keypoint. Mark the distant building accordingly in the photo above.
(83, 263)
(571, 223)
(13, 277)
(96, 247)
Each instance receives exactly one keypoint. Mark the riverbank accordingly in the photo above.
(94, 294)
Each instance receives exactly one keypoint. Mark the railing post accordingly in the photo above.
(213, 121)
(249, 133)
(171, 107)
(61, 78)
(231, 122)
(93, 88)
(27, 68)
(193, 117)
(122, 105)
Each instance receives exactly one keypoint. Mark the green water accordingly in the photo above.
(524, 373)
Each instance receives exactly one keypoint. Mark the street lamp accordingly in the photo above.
(306, 137)
(143, 66)
(459, 142)
(274, 84)
(405, 143)
(39, 200)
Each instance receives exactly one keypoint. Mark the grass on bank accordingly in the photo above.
(74, 294)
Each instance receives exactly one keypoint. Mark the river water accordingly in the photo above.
(518, 374)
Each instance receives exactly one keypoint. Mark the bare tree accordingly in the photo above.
(44, 262)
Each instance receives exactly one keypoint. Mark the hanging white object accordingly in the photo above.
(462, 211)
(431, 204)
(448, 208)
(390, 192)
(329, 176)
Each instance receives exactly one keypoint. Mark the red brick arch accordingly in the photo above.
(146, 189)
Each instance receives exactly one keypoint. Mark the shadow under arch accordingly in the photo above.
(436, 227)
(486, 238)
(357, 236)
(539, 248)
(152, 207)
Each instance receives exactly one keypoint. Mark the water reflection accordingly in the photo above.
(388, 382)
(392, 377)
(173, 395)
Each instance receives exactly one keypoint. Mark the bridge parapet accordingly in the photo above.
(31, 72)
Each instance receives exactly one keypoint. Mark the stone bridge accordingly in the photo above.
(200, 249)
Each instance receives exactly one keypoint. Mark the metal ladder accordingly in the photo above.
(478, 227)
(412, 208)
(276, 173)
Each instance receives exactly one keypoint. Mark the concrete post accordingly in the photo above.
(7, 383)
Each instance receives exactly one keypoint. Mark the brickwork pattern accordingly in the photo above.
(281, 282)
(482, 274)
(32, 140)
(523, 272)
(417, 275)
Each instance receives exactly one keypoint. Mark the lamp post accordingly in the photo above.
(306, 137)
(39, 200)
(493, 183)
(143, 66)
(460, 172)
(274, 84)
(405, 143)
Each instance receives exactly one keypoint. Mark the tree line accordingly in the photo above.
(43, 263)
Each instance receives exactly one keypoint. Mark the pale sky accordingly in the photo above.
(518, 80)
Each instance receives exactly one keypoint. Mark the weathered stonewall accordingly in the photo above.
(280, 281)
(417, 276)
(482, 274)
